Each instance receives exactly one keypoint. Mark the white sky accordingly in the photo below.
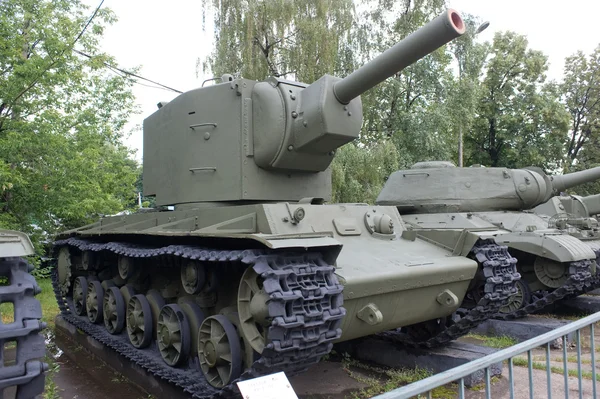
(166, 38)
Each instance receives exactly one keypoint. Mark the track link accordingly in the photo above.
(27, 372)
(500, 272)
(305, 307)
(580, 281)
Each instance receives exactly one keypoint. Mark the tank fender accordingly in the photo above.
(558, 247)
(458, 241)
(328, 246)
(14, 244)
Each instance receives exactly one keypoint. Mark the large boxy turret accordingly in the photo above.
(475, 189)
(244, 140)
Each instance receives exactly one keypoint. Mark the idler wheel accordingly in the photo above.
(551, 273)
(139, 321)
(80, 287)
(193, 277)
(173, 335)
(156, 302)
(64, 270)
(219, 351)
(519, 300)
(253, 309)
(93, 301)
(114, 310)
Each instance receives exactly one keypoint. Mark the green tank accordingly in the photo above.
(574, 205)
(578, 216)
(21, 320)
(245, 271)
(439, 202)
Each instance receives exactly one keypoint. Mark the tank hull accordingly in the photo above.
(353, 277)
(400, 277)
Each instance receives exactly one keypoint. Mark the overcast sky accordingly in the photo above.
(166, 38)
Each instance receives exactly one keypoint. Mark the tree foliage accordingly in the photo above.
(410, 108)
(519, 120)
(61, 118)
(581, 92)
(299, 39)
(359, 173)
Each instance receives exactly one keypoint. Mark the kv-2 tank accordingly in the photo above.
(251, 273)
(440, 201)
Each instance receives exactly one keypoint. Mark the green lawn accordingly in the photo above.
(46, 298)
(49, 312)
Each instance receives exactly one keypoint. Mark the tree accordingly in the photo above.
(411, 107)
(581, 93)
(359, 172)
(464, 91)
(62, 115)
(519, 119)
(299, 39)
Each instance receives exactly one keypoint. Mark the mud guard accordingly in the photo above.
(559, 247)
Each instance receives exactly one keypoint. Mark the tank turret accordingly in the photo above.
(574, 205)
(250, 141)
(448, 189)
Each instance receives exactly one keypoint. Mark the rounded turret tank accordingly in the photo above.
(437, 203)
(25, 376)
(251, 273)
(576, 205)
(578, 216)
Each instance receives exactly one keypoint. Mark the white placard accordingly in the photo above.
(273, 386)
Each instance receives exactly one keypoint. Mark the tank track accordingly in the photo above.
(500, 271)
(580, 280)
(595, 279)
(27, 372)
(303, 282)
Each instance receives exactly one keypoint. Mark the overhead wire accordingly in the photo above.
(88, 23)
(112, 67)
(81, 33)
(47, 68)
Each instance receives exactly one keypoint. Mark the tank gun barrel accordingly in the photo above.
(592, 203)
(563, 182)
(417, 45)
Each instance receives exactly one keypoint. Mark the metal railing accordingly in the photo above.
(425, 387)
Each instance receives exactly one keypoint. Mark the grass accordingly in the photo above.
(49, 312)
(388, 379)
(47, 300)
(499, 342)
(572, 359)
(555, 369)
(51, 390)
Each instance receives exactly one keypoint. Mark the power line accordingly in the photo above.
(129, 73)
(50, 65)
(87, 23)
(123, 75)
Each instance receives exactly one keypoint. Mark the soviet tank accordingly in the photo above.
(575, 205)
(23, 376)
(578, 216)
(244, 269)
(439, 202)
